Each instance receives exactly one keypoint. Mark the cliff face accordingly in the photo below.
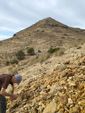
(60, 91)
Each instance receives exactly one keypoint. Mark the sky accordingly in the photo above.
(16, 15)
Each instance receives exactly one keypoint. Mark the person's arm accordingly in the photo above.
(3, 92)
(12, 91)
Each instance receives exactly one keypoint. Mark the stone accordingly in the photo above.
(67, 62)
(70, 101)
(82, 103)
(43, 106)
(53, 89)
(25, 111)
(50, 108)
(64, 99)
(83, 111)
(75, 109)
(81, 86)
(73, 84)
(61, 109)
(60, 105)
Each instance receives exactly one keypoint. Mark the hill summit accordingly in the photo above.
(49, 22)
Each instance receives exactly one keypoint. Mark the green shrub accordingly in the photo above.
(14, 61)
(20, 55)
(52, 50)
(7, 63)
(11, 62)
(30, 51)
(39, 51)
(14, 35)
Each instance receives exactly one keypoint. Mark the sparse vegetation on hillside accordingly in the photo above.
(39, 51)
(14, 61)
(7, 63)
(30, 51)
(20, 55)
(39, 59)
(11, 62)
(52, 50)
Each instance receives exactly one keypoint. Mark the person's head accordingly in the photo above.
(17, 79)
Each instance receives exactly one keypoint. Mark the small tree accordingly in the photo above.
(20, 55)
(30, 51)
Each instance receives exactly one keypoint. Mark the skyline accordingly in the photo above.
(16, 15)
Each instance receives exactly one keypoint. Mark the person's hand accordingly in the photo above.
(13, 97)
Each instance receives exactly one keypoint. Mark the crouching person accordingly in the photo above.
(5, 80)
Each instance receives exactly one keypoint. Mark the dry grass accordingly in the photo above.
(39, 59)
(13, 70)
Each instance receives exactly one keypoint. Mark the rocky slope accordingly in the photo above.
(55, 84)
(41, 36)
(60, 90)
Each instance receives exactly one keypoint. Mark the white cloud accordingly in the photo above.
(2, 37)
(18, 14)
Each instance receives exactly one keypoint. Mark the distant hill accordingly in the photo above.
(41, 36)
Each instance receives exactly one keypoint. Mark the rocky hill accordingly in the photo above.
(60, 90)
(51, 83)
(41, 36)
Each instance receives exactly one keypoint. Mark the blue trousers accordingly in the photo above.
(2, 104)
